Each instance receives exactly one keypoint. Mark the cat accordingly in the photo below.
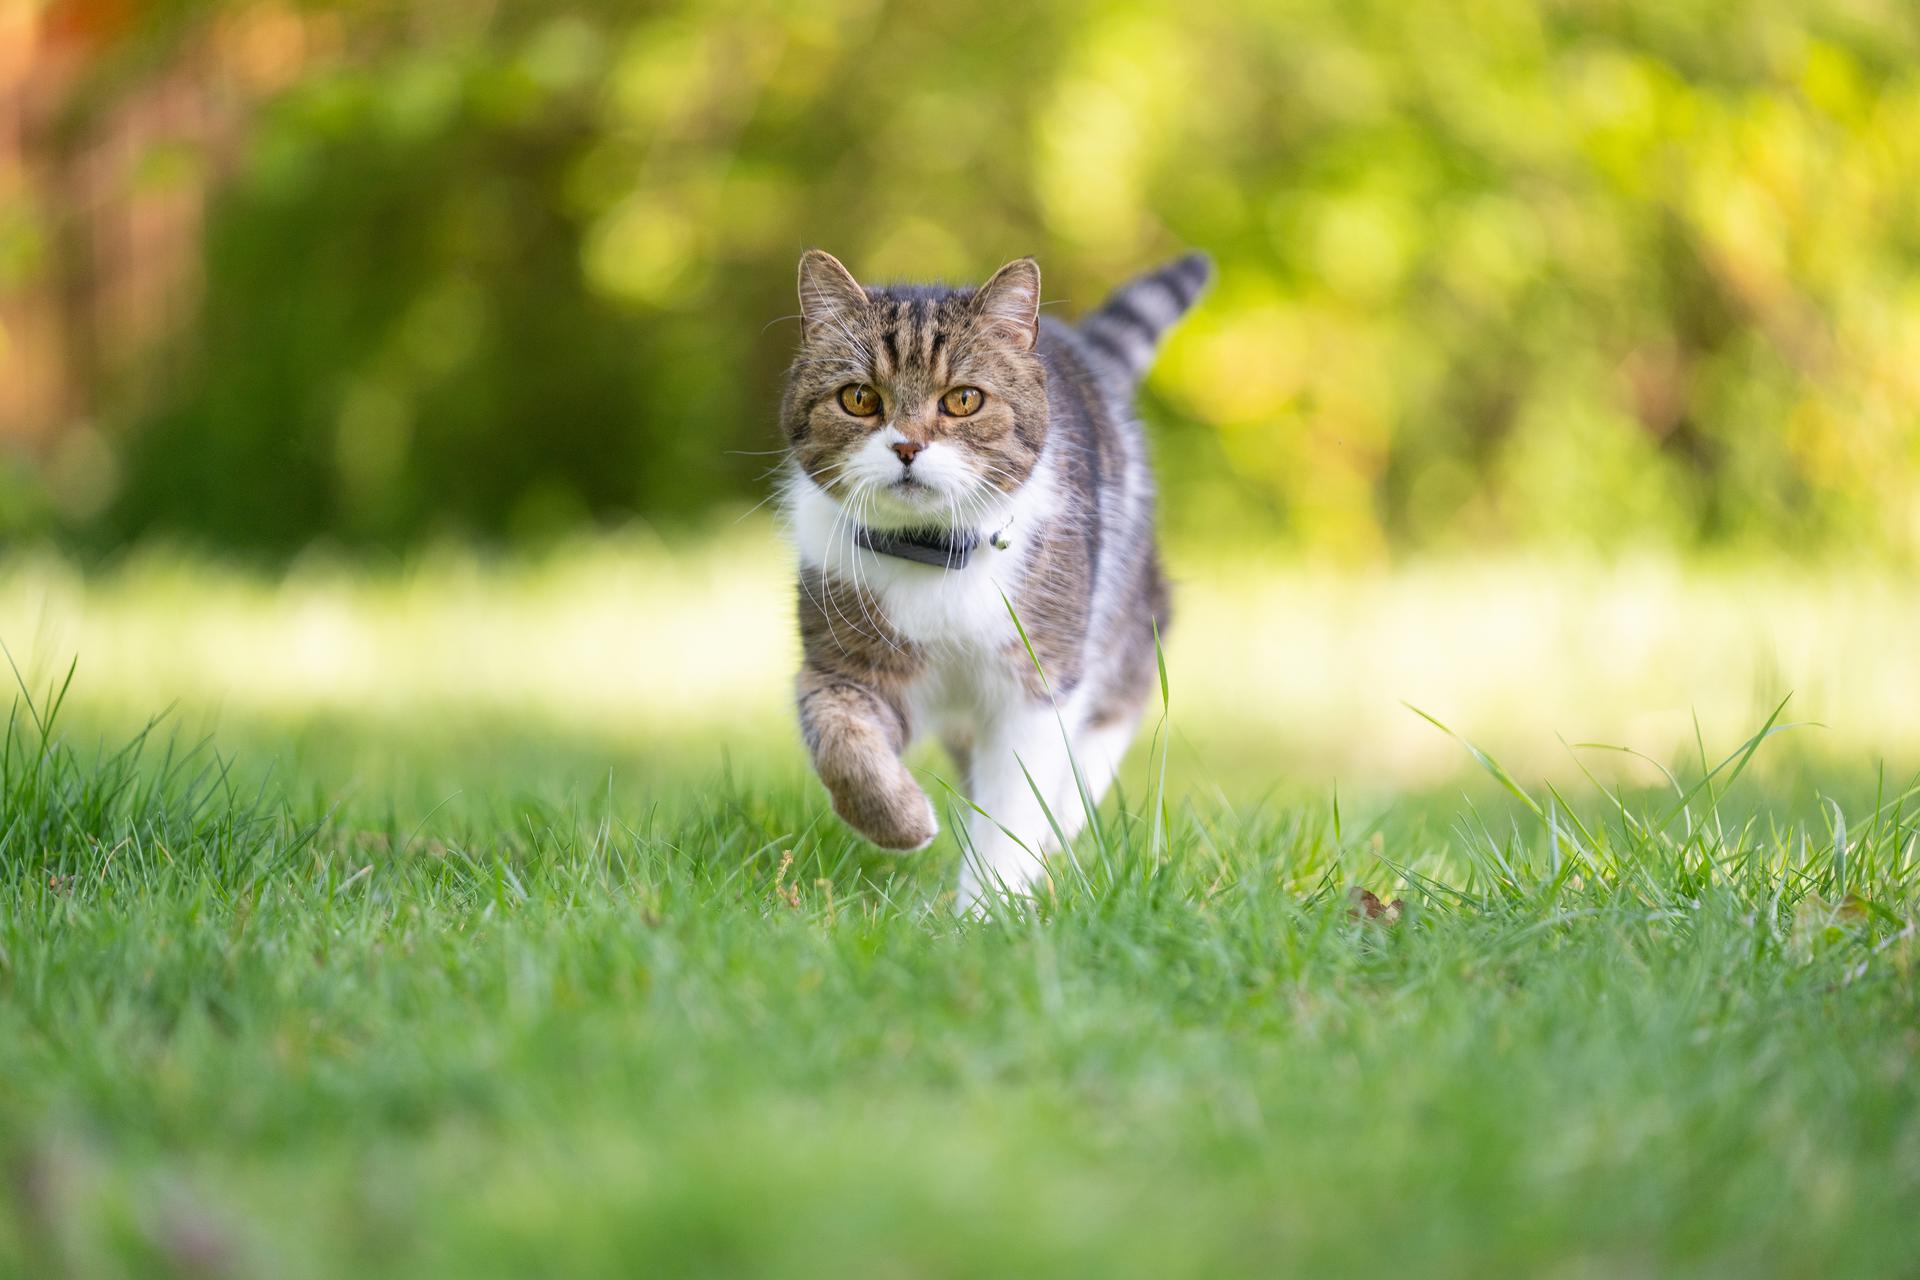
(956, 462)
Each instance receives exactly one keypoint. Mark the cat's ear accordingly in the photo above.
(828, 291)
(1011, 301)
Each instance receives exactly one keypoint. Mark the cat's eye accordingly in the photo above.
(963, 402)
(860, 400)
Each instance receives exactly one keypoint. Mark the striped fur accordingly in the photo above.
(1054, 463)
(1126, 330)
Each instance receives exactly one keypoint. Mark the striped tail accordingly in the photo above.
(1127, 328)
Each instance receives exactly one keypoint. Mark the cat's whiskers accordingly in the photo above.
(879, 629)
(975, 505)
(991, 471)
(782, 475)
(849, 568)
(864, 593)
(849, 520)
(829, 476)
(953, 510)
(983, 496)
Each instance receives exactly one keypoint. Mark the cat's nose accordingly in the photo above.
(908, 450)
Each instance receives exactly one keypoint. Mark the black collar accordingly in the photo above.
(948, 548)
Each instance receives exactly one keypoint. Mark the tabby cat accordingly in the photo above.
(957, 462)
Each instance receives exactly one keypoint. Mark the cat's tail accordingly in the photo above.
(1126, 330)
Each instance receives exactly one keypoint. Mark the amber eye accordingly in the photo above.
(860, 400)
(963, 402)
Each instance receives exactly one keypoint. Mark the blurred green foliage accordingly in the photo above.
(1598, 271)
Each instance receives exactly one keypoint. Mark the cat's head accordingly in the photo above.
(916, 405)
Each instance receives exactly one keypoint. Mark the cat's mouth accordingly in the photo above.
(912, 489)
(909, 496)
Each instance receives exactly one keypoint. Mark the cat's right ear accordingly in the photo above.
(828, 292)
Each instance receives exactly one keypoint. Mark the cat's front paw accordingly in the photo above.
(898, 816)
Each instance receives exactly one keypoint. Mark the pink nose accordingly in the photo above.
(908, 450)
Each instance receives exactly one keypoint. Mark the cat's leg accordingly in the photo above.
(855, 736)
(959, 745)
(1113, 715)
(1100, 747)
(1006, 839)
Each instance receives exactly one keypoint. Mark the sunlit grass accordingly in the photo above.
(498, 929)
(243, 1033)
(1284, 672)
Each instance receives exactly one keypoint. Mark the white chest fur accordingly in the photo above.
(958, 618)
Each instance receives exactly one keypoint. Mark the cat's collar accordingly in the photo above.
(947, 548)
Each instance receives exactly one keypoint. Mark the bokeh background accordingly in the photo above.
(398, 335)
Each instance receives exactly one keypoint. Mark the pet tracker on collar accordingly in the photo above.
(948, 548)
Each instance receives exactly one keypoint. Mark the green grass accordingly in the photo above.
(1285, 669)
(253, 1023)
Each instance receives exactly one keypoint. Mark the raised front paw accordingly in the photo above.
(895, 815)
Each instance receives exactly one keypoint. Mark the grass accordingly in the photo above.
(648, 650)
(260, 1022)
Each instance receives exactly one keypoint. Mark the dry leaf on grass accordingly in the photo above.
(1365, 904)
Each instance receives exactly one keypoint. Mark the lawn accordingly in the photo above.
(358, 986)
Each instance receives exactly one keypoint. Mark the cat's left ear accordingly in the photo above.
(828, 291)
(1011, 300)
